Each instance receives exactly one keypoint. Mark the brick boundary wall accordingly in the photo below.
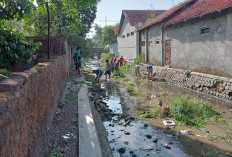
(28, 102)
(220, 87)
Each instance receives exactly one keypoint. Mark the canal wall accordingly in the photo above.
(28, 102)
(220, 87)
(101, 132)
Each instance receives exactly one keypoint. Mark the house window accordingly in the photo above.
(123, 36)
(128, 34)
(150, 43)
(132, 33)
(143, 43)
(157, 42)
(205, 30)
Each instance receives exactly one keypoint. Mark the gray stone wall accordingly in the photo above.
(208, 53)
(127, 47)
(220, 87)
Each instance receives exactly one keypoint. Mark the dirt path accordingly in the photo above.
(63, 134)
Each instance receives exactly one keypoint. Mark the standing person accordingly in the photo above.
(149, 72)
(112, 64)
(78, 66)
(108, 69)
(137, 70)
(121, 60)
(76, 55)
(115, 60)
(117, 67)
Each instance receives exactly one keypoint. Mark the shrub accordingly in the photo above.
(14, 47)
(191, 112)
(140, 59)
(106, 56)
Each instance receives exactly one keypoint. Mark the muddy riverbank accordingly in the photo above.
(128, 137)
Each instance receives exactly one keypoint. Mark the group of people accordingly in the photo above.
(149, 71)
(111, 66)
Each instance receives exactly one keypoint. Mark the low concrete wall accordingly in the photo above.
(28, 102)
(220, 87)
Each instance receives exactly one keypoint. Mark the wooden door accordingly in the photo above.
(168, 52)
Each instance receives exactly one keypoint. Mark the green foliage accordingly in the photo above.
(4, 72)
(108, 36)
(191, 112)
(152, 16)
(140, 59)
(130, 87)
(155, 112)
(11, 9)
(14, 48)
(55, 152)
(104, 36)
(123, 71)
(106, 56)
(211, 137)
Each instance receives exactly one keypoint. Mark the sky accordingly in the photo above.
(109, 11)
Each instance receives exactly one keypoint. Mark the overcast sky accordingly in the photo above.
(109, 11)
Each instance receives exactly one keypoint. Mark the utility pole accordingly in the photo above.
(106, 20)
(48, 14)
(173, 3)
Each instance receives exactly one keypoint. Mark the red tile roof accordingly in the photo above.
(189, 9)
(200, 8)
(166, 14)
(135, 17)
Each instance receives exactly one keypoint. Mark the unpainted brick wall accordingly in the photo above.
(28, 102)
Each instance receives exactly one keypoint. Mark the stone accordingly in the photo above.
(126, 142)
(167, 146)
(126, 133)
(121, 150)
(149, 136)
(131, 152)
(155, 140)
(145, 125)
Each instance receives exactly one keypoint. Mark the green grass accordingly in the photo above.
(140, 59)
(152, 113)
(211, 137)
(191, 112)
(55, 152)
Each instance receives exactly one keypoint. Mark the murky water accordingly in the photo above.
(135, 138)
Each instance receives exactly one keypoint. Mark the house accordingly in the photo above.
(194, 35)
(127, 36)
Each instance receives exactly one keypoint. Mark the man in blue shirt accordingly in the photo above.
(75, 57)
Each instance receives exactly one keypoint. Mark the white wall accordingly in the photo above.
(127, 46)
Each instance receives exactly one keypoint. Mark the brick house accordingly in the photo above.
(127, 37)
(195, 35)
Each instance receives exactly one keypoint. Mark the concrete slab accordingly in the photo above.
(88, 141)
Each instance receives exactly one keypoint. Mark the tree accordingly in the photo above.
(11, 9)
(108, 36)
(97, 38)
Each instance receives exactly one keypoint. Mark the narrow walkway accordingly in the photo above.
(88, 141)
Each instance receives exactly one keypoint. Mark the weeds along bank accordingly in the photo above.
(28, 101)
(216, 86)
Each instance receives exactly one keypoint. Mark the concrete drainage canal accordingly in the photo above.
(119, 133)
